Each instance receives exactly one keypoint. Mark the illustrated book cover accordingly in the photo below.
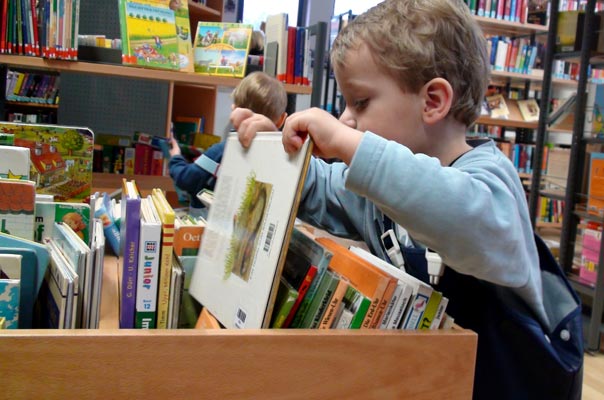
(148, 32)
(221, 48)
(60, 158)
(17, 203)
(76, 215)
(248, 230)
(529, 109)
(497, 106)
(10, 287)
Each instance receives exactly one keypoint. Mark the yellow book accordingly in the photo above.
(166, 215)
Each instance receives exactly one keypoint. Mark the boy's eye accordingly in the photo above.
(360, 104)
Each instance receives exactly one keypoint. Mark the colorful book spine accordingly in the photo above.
(166, 216)
(129, 232)
(148, 267)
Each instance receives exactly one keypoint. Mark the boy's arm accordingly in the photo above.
(189, 176)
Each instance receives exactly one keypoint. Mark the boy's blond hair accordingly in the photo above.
(415, 41)
(262, 94)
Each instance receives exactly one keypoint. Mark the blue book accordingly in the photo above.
(27, 292)
(129, 241)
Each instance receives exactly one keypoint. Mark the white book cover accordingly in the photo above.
(58, 290)
(148, 268)
(248, 230)
(78, 254)
(14, 163)
(98, 255)
(276, 32)
(402, 294)
(421, 290)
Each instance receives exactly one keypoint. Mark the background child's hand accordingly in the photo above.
(247, 123)
(175, 148)
(331, 138)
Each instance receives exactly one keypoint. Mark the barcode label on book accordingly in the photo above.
(240, 318)
(269, 237)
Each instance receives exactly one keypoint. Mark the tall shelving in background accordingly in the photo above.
(574, 213)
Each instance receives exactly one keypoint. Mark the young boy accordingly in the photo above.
(258, 92)
(413, 74)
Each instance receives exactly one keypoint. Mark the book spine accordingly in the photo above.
(302, 291)
(130, 263)
(147, 280)
(431, 309)
(416, 308)
(334, 305)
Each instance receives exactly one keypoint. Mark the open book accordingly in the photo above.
(248, 230)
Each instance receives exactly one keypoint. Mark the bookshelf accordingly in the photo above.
(234, 364)
(574, 212)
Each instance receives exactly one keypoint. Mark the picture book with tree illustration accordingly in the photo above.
(60, 158)
(248, 230)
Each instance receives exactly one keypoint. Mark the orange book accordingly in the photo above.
(595, 194)
(206, 320)
(375, 284)
(187, 238)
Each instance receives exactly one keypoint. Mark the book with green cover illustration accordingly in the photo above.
(221, 48)
(148, 31)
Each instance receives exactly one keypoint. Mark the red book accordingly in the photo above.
(291, 54)
(310, 275)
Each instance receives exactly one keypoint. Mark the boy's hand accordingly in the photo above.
(331, 138)
(174, 148)
(247, 123)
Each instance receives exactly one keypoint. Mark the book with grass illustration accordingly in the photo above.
(248, 230)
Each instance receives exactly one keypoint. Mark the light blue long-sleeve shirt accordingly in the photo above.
(473, 214)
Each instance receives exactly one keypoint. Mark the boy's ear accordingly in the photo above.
(438, 98)
(279, 123)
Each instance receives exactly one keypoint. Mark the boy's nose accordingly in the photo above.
(347, 119)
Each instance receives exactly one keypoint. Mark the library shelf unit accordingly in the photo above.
(574, 211)
(233, 364)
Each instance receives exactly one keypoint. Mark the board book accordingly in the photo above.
(221, 48)
(248, 230)
(61, 158)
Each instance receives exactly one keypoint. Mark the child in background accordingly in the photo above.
(413, 74)
(258, 92)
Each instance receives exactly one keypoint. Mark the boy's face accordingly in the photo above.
(376, 103)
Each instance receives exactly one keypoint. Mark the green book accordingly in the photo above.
(359, 306)
(286, 297)
(317, 307)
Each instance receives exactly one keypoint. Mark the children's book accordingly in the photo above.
(148, 266)
(221, 48)
(529, 109)
(28, 275)
(98, 251)
(14, 163)
(497, 106)
(17, 202)
(10, 287)
(248, 230)
(79, 255)
(177, 281)
(129, 240)
(41, 251)
(76, 215)
(187, 235)
(103, 211)
(148, 31)
(58, 295)
(166, 216)
(60, 158)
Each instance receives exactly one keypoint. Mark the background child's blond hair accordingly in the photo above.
(262, 94)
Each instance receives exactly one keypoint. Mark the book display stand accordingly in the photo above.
(235, 364)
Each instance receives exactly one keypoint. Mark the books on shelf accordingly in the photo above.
(594, 111)
(221, 48)
(246, 237)
(595, 191)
